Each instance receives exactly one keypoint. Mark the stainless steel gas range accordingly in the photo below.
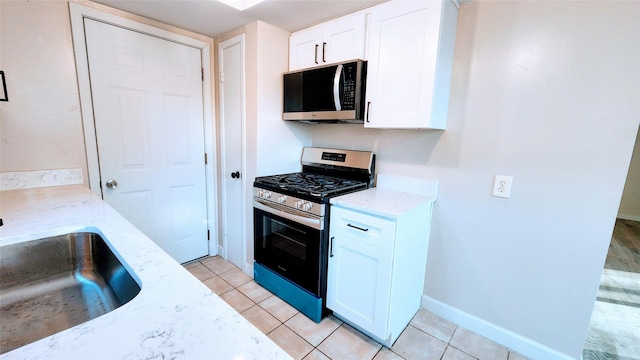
(291, 224)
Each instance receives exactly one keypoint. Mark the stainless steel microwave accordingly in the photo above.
(326, 94)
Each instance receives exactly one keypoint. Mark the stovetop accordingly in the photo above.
(310, 184)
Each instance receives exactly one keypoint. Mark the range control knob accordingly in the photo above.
(282, 199)
(303, 205)
(266, 194)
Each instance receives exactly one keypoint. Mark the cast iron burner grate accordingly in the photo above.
(316, 185)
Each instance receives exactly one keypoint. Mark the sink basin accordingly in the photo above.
(52, 284)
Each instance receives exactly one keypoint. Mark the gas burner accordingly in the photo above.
(326, 182)
(315, 185)
(325, 173)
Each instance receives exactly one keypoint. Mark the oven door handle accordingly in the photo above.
(313, 222)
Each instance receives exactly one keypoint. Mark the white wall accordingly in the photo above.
(546, 92)
(40, 126)
(279, 143)
(275, 146)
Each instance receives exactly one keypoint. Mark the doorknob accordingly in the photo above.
(235, 175)
(112, 184)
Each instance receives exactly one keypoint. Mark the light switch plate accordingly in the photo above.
(502, 186)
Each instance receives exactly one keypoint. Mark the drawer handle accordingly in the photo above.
(356, 227)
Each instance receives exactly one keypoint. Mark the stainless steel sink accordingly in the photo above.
(52, 284)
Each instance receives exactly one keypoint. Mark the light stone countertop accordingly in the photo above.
(173, 316)
(392, 197)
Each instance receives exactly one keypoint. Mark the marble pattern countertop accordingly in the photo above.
(392, 197)
(173, 316)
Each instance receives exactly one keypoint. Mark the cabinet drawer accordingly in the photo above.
(370, 229)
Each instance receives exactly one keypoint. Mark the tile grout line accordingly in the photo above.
(283, 323)
(293, 331)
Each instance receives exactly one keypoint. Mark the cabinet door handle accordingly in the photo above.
(324, 51)
(368, 106)
(358, 228)
(331, 246)
(316, 55)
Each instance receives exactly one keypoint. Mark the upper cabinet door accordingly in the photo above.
(409, 64)
(334, 41)
(304, 48)
(344, 38)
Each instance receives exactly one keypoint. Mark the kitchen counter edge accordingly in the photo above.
(174, 315)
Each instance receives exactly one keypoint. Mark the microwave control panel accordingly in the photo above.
(349, 87)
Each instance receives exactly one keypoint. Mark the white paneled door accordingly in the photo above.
(232, 118)
(148, 110)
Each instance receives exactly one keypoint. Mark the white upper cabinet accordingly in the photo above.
(337, 40)
(409, 64)
(304, 48)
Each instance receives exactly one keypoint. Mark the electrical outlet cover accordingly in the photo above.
(502, 186)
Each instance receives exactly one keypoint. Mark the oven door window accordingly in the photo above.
(288, 248)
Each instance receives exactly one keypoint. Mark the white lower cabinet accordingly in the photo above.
(376, 269)
(359, 274)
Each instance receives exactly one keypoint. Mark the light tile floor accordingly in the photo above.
(427, 337)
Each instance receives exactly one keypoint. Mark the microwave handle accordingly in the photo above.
(336, 88)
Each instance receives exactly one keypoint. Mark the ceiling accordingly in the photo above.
(212, 18)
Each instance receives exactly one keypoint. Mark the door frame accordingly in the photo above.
(238, 39)
(77, 14)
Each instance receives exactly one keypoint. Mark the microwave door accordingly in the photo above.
(326, 94)
(318, 90)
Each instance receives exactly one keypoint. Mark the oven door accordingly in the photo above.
(289, 243)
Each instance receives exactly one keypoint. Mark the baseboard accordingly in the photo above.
(248, 269)
(220, 250)
(214, 250)
(629, 217)
(511, 340)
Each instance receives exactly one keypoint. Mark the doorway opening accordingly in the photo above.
(614, 328)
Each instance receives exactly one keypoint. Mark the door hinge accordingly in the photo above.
(206, 160)
(208, 234)
(202, 72)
